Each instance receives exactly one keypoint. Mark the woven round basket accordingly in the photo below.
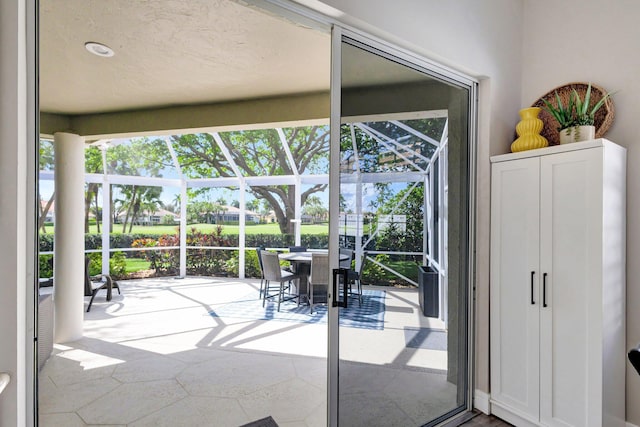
(603, 117)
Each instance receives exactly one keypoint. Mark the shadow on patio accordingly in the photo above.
(156, 356)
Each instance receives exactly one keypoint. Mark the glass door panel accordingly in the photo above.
(403, 215)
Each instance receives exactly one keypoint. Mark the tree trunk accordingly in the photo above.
(136, 210)
(129, 208)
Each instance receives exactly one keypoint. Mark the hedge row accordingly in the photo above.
(117, 241)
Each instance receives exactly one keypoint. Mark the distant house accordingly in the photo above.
(150, 218)
(232, 214)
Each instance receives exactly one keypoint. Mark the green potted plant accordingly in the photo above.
(576, 119)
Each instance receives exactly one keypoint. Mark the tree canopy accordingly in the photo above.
(259, 153)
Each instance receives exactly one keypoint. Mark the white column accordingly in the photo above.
(68, 269)
(241, 225)
(183, 229)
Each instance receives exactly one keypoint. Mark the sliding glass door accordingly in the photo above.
(400, 175)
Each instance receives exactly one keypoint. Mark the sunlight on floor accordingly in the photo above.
(159, 341)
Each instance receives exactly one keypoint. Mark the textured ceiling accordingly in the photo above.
(172, 52)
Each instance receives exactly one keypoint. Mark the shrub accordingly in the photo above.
(168, 220)
(251, 264)
(46, 266)
(95, 264)
(162, 261)
(118, 265)
(372, 272)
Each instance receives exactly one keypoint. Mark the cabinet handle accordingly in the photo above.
(532, 300)
(544, 289)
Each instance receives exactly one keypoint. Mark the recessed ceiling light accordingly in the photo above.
(99, 49)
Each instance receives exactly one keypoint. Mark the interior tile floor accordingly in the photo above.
(155, 357)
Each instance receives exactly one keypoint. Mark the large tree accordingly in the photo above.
(260, 153)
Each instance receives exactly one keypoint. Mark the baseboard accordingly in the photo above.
(631, 425)
(481, 402)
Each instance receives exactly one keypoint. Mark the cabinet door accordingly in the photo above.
(571, 257)
(514, 286)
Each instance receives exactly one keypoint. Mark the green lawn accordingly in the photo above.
(135, 264)
(207, 228)
(406, 268)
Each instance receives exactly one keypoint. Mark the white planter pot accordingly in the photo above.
(577, 133)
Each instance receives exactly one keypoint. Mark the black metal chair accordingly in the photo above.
(93, 284)
(297, 249)
(353, 277)
(273, 273)
(634, 358)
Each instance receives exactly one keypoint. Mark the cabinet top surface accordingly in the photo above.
(583, 145)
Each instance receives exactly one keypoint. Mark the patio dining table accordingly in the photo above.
(301, 262)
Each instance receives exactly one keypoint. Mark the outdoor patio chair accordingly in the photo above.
(259, 250)
(318, 279)
(353, 277)
(274, 273)
(634, 358)
(93, 284)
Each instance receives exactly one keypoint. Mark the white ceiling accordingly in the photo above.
(172, 52)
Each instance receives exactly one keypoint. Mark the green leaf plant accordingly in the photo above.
(577, 111)
(563, 115)
(583, 115)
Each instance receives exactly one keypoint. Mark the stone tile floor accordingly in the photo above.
(155, 357)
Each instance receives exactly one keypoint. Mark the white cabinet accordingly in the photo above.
(558, 285)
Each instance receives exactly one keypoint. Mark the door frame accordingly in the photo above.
(282, 8)
(411, 60)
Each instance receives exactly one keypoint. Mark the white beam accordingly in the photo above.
(297, 211)
(370, 132)
(400, 145)
(271, 180)
(416, 133)
(372, 178)
(213, 182)
(174, 157)
(241, 230)
(226, 153)
(106, 212)
(314, 179)
(183, 229)
(106, 225)
(287, 150)
(354, 144)
(412, 115)
(148, 181)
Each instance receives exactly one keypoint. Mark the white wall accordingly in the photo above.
(599, 43)
(483, 39)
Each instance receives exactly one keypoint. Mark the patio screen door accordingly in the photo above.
(401, 159)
